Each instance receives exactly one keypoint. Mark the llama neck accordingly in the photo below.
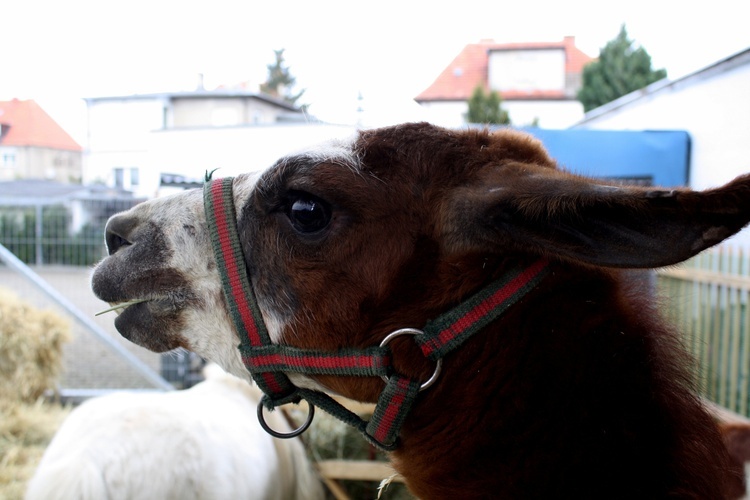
(562, 396)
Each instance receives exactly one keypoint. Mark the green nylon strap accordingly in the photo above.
(337, 410)
(218, 203)
(390, 412)
(368, 362)
(450, 330)
(383, 429)
(333, 408)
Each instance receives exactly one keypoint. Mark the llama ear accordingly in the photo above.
(564, 216)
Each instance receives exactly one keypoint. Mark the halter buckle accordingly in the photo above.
(413, 331)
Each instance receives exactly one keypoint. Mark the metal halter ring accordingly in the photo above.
(294, 433)
(413, 331)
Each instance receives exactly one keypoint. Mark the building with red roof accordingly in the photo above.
(34, 146)
(538, 82)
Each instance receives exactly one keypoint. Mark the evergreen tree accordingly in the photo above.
(280, 82)
(622, 67)
(486, 108)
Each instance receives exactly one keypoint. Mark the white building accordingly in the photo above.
(134, 141)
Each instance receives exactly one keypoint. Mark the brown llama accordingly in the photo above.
(569, 385)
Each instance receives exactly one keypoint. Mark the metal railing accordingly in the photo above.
(64, 232)
(707, 299)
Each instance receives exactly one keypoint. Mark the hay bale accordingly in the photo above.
(31, 342)
(25, 431)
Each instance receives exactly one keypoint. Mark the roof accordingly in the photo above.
(25, 123)
(27, 188)
(44, 192)
(201, 94)
(469, 69)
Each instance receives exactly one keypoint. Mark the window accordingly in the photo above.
(134, 177)
(119, 178)
(527, 70)
(8, 160)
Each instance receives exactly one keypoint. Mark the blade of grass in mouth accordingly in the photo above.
(121, 305)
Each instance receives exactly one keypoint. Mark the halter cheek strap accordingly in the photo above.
(243, 307)
(269, 363)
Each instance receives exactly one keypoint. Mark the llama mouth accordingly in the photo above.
(154, 324)
(118, 307)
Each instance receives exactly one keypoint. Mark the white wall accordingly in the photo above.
(118, 135)
(542, 69)
(446, 113)
(221, 112)
(114, 123)
(547, 114)
(233, 151)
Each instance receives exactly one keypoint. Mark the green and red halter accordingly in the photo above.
(269, 363)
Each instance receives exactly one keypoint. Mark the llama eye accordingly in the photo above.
(307, 213)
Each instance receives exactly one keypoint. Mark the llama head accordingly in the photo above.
(350, 241)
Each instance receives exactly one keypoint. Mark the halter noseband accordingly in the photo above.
(269, 363)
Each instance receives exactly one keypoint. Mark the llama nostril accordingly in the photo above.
(115, 242)
(115, 235)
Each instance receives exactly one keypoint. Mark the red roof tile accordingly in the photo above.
(469, 69)
(25, 123)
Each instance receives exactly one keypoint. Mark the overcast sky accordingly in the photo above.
(59, 51)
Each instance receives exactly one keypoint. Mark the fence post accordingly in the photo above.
(38, 214)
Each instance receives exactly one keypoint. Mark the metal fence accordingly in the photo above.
(68, 232)
(51, 249)
(707, 299)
